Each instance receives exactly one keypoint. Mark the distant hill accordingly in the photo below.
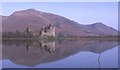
(19, 20)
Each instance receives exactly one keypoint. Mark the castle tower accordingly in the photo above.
(28, 32)
(53, 30)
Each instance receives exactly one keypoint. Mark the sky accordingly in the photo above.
(59, 0)
(81, 12)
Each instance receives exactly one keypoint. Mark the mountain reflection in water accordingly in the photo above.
(31, 53)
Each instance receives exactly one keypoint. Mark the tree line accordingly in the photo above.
(18, 34)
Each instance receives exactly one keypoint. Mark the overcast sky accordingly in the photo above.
(81, 12)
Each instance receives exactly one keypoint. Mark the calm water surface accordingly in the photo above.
(60, 54)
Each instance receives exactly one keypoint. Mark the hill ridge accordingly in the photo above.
(37, 19)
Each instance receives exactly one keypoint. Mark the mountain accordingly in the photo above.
(34, 19)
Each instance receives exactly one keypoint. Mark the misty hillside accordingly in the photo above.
(34, 19)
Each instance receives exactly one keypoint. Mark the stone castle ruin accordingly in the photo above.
(48, 31)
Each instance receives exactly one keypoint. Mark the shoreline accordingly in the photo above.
(105, 38)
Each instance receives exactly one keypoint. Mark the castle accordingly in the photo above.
(48, 31)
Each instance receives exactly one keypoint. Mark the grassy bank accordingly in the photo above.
(107, 38)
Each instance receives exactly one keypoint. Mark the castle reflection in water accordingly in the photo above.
(35, 52)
